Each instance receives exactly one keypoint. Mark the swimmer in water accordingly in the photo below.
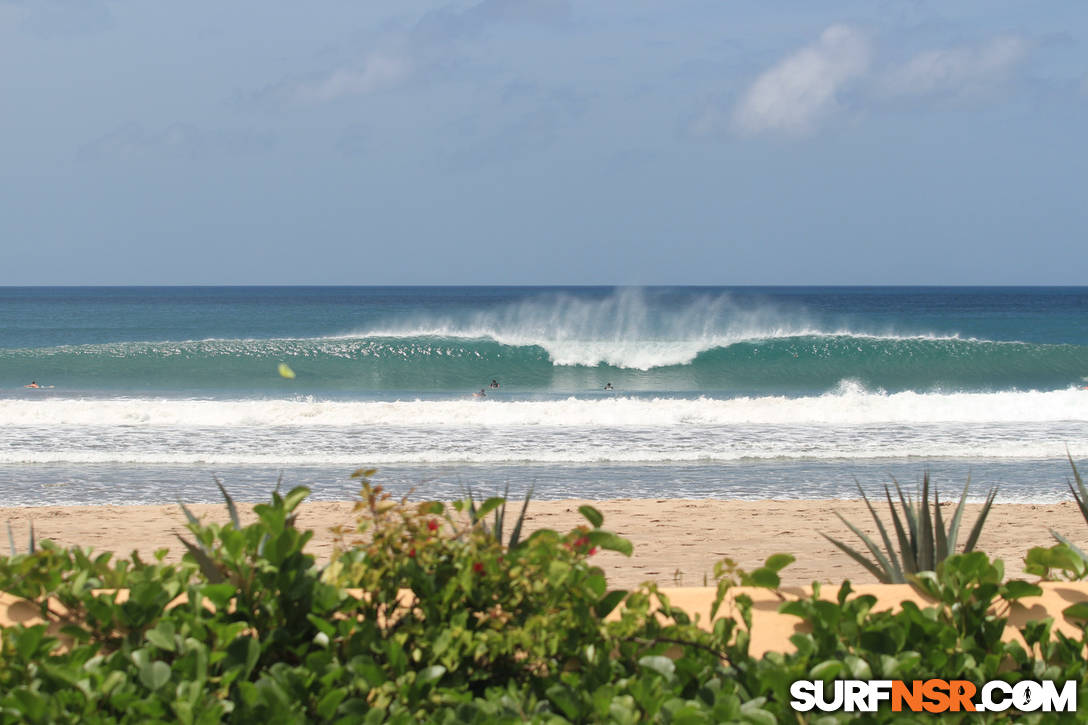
(480, 394)
(33, 384)
(494, 384)
(608, 386)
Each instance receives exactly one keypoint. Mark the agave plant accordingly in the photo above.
(498, 505)
(31, 547)
(924, 540)
(1080, 495)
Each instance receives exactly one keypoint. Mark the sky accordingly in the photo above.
(543, 142)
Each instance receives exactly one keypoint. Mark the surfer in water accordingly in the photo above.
(494, 384)
(33, 384)
(480, 394)
(608, 386)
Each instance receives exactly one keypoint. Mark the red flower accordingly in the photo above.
(592, 551)
(412, 553)
(580, 542)
(432, 525)
(478, 567)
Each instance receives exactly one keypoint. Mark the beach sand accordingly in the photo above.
(676, 541)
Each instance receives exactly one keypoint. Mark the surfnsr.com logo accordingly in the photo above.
(933, 696)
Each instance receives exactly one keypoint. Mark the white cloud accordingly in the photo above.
(794, 95)
(957, 71)
(378, 72)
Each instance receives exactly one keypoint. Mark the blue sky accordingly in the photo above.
(543, 141)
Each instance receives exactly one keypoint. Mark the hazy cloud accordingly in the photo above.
(377, 72)
(60, 17)
(957, 71)
(423, 47)
(132, 142)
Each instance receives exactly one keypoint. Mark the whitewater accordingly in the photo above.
(849, 405)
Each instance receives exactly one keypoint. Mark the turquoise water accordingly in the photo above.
(806, 387)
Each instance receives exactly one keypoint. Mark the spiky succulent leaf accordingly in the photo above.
(207, 566)
(882, 561)
(906, 550)
(976, 530)
(896, 571)
(881, 576)
(500, 513)
(954, 527)
(938, 528)
(1080, 493)
(231, 508)
(926, 554)
(912, 522)
(515, 535)
(188, 514)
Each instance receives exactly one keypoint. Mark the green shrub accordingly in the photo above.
(423, 614)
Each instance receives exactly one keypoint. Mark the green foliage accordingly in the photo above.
(1059, 562)
(959, 637)
(923, 539)
(425, 614)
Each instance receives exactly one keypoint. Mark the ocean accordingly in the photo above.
(746, 392)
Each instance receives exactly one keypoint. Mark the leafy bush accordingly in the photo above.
(423, 614)
(924, 541)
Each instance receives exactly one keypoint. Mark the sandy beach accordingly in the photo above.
(676, 541)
